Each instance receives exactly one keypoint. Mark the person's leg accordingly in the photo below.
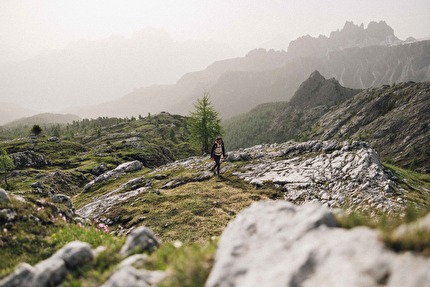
(217, 162)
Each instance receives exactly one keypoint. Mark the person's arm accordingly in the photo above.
(212, 151)
(223, 150)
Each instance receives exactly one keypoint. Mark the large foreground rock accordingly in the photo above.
(276, 243)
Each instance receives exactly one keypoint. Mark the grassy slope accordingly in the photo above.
(194, 213)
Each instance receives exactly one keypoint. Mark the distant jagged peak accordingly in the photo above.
(379, 30)
(351, 35)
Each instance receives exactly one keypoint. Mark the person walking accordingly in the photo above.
(217, 152)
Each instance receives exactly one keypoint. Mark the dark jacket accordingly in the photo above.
(215, 152)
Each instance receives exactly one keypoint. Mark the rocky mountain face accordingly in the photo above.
(395, 120)
(317, 91)
(277, 122)
(356, 57)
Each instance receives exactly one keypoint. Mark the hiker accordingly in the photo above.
(216, 153)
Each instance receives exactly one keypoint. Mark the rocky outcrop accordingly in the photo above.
(52, 271)
(27, 159)
(334, 173)
(160, 156)
(115, 173)
(101, 205)
(395, 120)
(276, 243)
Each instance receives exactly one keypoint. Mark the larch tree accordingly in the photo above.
(6, 165)
(204, 123)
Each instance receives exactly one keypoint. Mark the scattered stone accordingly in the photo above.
(4, 196)
(140, 239)
(136, 183)
(160, 176)
(38, 184)
(173, 184)
(62, 198)
(130, 276)
(99, 170)
(7, 215)
(52, 271)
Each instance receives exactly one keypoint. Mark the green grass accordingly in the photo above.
(417, 187)
(186, 265)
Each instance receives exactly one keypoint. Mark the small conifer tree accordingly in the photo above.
(36, 130)
(6, 165)
(204, 123)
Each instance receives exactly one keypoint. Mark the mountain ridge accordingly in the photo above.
(353, 67)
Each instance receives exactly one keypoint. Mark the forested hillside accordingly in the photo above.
(154, 140)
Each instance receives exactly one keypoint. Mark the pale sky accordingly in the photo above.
(29, 26)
